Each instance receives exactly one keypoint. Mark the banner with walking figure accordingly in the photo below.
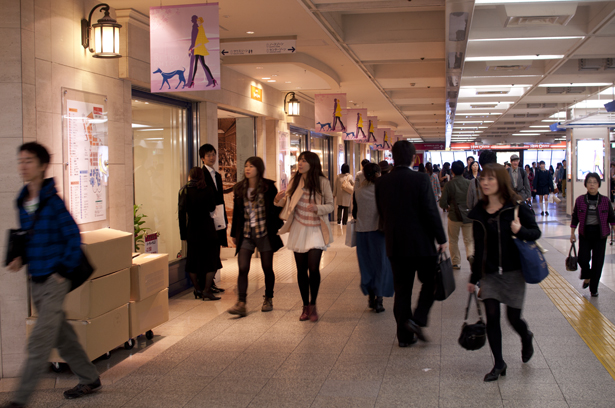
(384, 139)
(330, 112)
(357, 128)
(370, 126)
(185, 48)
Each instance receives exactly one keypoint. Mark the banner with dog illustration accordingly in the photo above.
(358, 125)
(384, 139)
(185, 48)
(329, 111)
(370, 125)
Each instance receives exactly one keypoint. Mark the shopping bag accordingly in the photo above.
(351, 234)
(218, 217)
(556, 199)
(445, 279)
(473, 336)
(533, 263)
(571, 259)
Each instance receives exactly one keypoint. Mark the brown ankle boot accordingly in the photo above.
(305, 315)
(239, 309)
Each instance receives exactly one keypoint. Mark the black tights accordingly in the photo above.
(196, 282)
(494, 331)
(309, 261)
(244, 258)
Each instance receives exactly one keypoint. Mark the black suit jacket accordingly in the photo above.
(408, 213)
(219, 194)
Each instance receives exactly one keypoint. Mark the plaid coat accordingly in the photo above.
(605, 214)
(55, 244)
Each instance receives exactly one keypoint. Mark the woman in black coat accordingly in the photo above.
(497, 263)
(196, 227)
(256, 221)
(543, 184)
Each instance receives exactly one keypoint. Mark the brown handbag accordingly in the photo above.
(572, 260)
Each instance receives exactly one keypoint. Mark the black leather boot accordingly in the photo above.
(379, 308)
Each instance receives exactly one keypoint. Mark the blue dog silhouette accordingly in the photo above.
(324, 125)
(168, 75)
(350, 133)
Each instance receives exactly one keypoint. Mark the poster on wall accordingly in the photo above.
(185, 48)
(384, 139)
(358, 125)
(284, 160)
(330, 112)
(86, 133)
(590, 157)
(372, 125)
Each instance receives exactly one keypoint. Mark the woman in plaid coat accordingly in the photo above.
(256, 221)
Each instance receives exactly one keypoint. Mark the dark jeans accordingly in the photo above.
(244, 258)
(340, 209)
(404, 269)
(592, 247)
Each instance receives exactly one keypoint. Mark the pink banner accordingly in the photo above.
(384, 138)
(357, 126)
(185, 48)
(329, 112)
(370, 129)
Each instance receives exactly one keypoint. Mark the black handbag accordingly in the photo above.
(445, 279)
(17, 240)
(473, 336)
(572, 261)
(80, 274)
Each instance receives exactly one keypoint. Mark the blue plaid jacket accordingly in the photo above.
(55, 245)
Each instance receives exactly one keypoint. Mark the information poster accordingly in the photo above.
(88, 160)
(284, 160)
(590, 158)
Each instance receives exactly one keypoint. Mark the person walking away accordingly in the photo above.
(359, 176)
(344, 198)
(435, 182)
(519, 179)
(209, 155)
(411, 222)
(543, 184)
(196, 227)
(454, 200)
(592, 213)
(485, 157)
(563, 176)
(53, 251)
(307, 205)
(256, 222)
(385, 168)
(375, 267)
(499, 273)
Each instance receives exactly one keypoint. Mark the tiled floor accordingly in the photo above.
(204, 357)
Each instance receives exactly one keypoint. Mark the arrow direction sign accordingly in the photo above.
(259, 47)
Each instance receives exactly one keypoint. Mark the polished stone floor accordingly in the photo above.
(204, 357)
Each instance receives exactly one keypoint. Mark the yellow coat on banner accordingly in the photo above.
(338, 110)
(360, 124)
(371, 127)
(199, 43)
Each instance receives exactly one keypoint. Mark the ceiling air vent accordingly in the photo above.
(528, 15)
(519, 115)
(549, 105)
(610, 63)
(492, 92)
(534, 105)
(532, 115)
(560, 90)
(508, 66)
(593, 64)
(484, 106)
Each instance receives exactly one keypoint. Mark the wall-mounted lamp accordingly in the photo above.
(106, 42)
(293, 105)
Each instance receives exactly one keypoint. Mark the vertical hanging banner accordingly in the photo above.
(370, 129)
(357, 125)
(383, 139)
(185, 48)
(329, 111)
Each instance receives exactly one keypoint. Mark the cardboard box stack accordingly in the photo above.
(98, 310)
(149, 293)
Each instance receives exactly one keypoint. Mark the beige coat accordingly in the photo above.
(343, 198)
(323, 209)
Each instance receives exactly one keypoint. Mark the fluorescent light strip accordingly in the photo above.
(137, 125)
(473, 121)
(540, 126)
(516, 58)
(532, 131)
(526, 134)
(576, 84)
(576, 37)
(493, 86)
(520, 1)
(476, 114)
(149, 130)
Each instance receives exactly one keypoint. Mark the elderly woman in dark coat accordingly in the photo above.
(196, 201)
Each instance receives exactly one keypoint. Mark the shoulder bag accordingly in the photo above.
(347, 186)
(351, 234)
(445, 279)
(533, 263)
(572, 260)
(473, 336)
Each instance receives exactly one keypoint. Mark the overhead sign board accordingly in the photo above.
(262, 47)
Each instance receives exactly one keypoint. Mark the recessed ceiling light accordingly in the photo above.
(271, 80)
(287, 82)
(516, 58)
(574, 37)
(265, 78)
(576, 84)
(274, 75)
(250, 32)
(259, 67)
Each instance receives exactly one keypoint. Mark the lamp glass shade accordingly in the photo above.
(106, 40)
(293, 107)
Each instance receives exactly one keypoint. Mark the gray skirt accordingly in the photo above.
(507, 288)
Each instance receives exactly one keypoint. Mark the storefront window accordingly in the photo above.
(320, 144)
(297, 145)
(160, 152)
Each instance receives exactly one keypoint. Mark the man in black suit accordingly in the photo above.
(208, 156)
(411, 222)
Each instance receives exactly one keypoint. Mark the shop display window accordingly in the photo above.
(320, 145)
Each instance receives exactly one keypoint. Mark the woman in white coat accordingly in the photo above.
(344, 198)
(307, 205)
